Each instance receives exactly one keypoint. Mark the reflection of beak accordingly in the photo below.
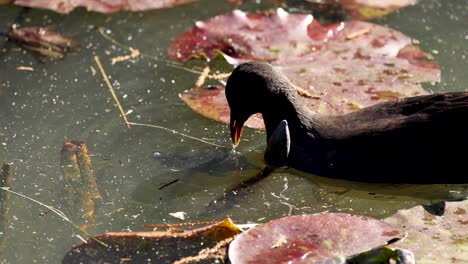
(236, 126)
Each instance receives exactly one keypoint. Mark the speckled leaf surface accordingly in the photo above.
(316, 238)
(103, 6)
(340, 67)
(437, 237)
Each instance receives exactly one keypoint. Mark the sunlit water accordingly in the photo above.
(63, 100)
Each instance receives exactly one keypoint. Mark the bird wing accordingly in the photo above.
(427, 115)
(277, 151)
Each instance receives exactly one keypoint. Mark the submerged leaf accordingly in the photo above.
(80, 184)
(107, 6)
(317, 238)
(337, 68)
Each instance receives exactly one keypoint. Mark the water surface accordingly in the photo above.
(63, 100)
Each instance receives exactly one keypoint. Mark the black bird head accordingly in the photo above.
(255, 87)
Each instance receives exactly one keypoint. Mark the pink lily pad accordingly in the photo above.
(310, 239)
(339, 68)
(437, 237)
(103, 6)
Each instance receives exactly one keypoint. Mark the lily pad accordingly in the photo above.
(337, 68)
(362, 9)
(106, 6)
(369, 9)
(355, 9)
(316, 238)
(436, 234)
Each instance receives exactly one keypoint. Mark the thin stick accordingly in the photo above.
(178, 133)
(202, 77)
(182, 224)
(168, 184)
(116, 99)
(57, 212)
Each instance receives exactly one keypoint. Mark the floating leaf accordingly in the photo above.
(107, 6)
(436, 234)
(316, 238)
(337, 68)
(211, 102)
(156, 247)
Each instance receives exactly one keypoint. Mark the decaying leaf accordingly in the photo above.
(81, 187)
(157, 247)
(42, 41)
(338, 68)
(436, 234)
(106, 6)
(317, 238)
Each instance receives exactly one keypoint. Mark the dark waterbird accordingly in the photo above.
(421, 139)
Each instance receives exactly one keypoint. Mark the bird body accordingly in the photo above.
(418, 139)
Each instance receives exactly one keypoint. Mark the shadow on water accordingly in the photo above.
(187, 173)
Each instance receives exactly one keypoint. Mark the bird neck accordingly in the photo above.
(291, 110)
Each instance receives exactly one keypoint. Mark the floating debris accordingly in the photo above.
(42, 41)
(24, 68)
(134, 53)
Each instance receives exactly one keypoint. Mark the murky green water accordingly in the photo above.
(63, 100)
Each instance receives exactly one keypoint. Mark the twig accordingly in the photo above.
(168, 184)
(133, 54)
(178, 133)
(202, 77)
(358, 33)
(116, 99)
(57, 212)
(183, 224)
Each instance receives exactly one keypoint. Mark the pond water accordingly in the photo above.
(63, 100)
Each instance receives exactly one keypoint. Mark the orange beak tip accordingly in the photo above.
(236, 132)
